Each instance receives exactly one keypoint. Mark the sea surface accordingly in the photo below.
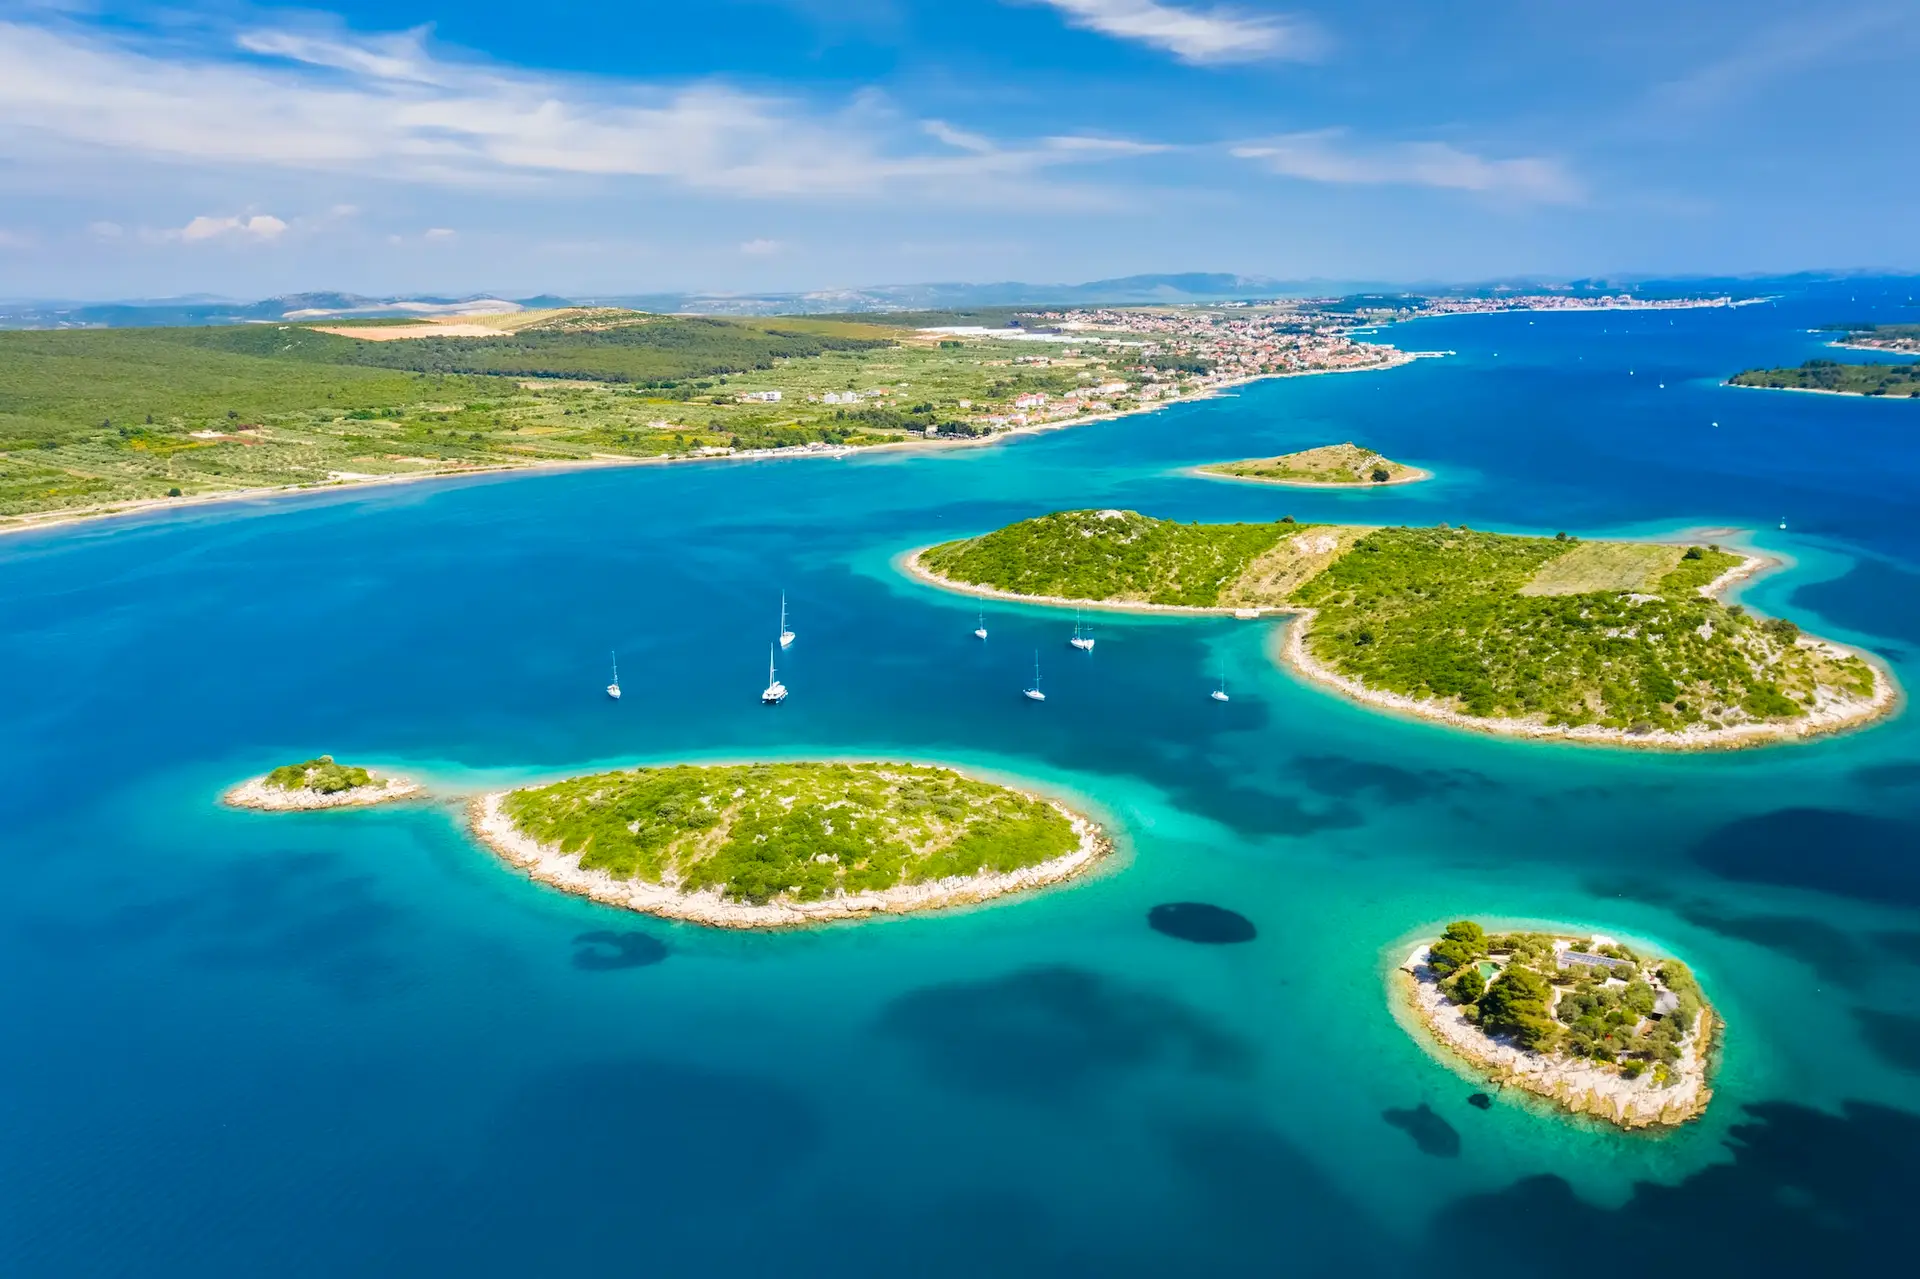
(352, 1043)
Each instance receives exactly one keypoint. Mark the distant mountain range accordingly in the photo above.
(1130, 290)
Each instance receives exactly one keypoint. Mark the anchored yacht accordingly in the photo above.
(613, 689)
(980, 631)
(1081, 640)
(786, 636)
(1033, 693)
(775, 692)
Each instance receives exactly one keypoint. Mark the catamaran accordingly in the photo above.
(613, 689)
(1220, 694)
(776, 692)
(1080, 640)
(786, 636)
(980, 631)
(1033, 693)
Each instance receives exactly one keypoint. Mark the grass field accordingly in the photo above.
(801, 831)
(1604, 566)
(1346, 463)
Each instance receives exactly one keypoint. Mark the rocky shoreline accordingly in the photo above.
(1577, 1086)
(254, 793)
(548, 865)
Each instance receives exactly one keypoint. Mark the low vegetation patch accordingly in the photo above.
(796, 831)
(321, 776)
(1831, 375)
(1329, 464)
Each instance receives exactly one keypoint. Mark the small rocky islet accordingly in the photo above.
(1589, 1024)
(1346, 465)
(318, 783)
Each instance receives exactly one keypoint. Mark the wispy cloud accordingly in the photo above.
(760, 248)
(258, 227)
(1781, 51)
(1199, 35)
(386, 106)
(1328, 156)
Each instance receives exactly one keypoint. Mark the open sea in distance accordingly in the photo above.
(355, 1044)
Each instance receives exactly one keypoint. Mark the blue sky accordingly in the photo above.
(586, 147)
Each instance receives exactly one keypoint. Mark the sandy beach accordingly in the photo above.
(550, 866)
(254, 793)
(1580, 1087)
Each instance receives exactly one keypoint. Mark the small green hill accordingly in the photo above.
(801, 831)
(1551, 630)
(1901, 380)
(1340, 464)
(321, 776)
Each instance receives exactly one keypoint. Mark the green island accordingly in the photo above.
(96, 421)
(1330, 464)
(1586, 1022)
(1898, 380)
(1903, 339)
(779, 844)
(1620, 642)
(319, 782)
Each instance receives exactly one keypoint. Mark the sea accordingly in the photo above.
(354, 1043)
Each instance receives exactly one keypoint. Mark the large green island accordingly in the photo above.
(774, 845)
(1900, 381)
(1618, 642)
(1583, 1021)
(1329, 466)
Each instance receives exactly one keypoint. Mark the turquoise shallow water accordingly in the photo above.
(352, 1043)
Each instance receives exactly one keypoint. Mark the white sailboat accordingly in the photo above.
(980, 631)
(775, 692)
(1033, 693)
(1080, 640)
(613, 689)
(786, 636)
(1220, 694)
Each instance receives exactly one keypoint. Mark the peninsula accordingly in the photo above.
(1329, 466)
(1624, 643)
(1901, 339)
(780, 845)
(1585, 1022)
(1900, 381)
(319, 783)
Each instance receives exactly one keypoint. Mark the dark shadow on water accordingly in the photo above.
(1432, 1134)
(1807, 1193)
(604, 951)
(1832, 850)
(1873, 597)
(1894, 1038)
(1051, 1033)
(1200, 922)
(1829, 951)
(1887, 776)
(1900, 945)
(1347, 777)
(1258, 812)
(1480, 1100)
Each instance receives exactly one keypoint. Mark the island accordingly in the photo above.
(1835, 378)
(1624, 643)
(1901, 339)
(319, 783)
(1330, 465)
(1585, 1022)
(772, 845)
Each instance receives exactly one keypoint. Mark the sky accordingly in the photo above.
(589, 148)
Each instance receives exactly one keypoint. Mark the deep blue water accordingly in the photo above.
(350, 1043)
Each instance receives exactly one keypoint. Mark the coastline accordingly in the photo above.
(1290, 652)
(1817, 390)
(548, 865)
(1574, 1086)
(1877, 350)
(36, 521)
(1414, 476)
(255, 794)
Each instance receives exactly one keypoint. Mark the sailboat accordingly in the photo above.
(1033, 693)
(1220, 694)
(1080, 640)
(776, 692)
(1783, 523)
(786, 636)
(980, 631)
(613, 689)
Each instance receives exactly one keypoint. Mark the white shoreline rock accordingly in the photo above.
(254, 793)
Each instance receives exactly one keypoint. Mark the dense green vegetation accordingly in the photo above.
(1832, 375)
(1108, 555)
(806, 831)
(1553, 630)
(1602, 1012)
(321, 776)
(1329, 464)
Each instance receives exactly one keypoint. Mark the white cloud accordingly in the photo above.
(385, 106)
(1194, 35)
(106, 230)
(760, 248)
(1324, 156)
(440, 234)
(257, 227)
(15, 239)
